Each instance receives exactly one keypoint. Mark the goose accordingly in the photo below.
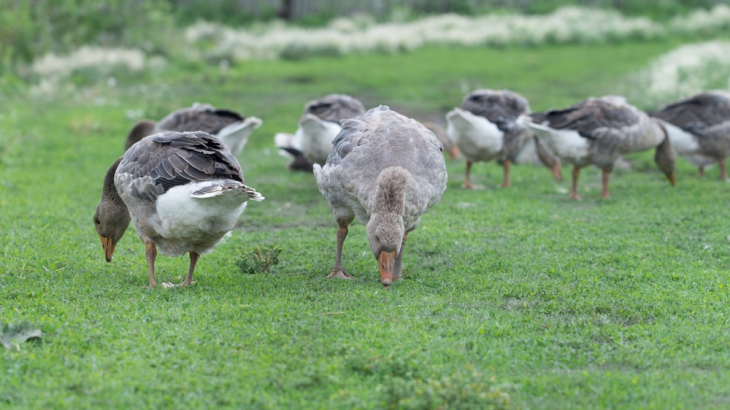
(231, 127)
(386, 170)
(599, 131)
(485, 128)
(699, 128)
(182, 190)
(318, 126)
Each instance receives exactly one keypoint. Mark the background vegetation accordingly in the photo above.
(31, 28)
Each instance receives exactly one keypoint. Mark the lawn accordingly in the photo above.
(512, 298)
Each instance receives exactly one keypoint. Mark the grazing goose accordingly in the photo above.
(318, 126)
(386, 170)
(231, 127)
(599, 131)
(699, 128)
(183, 191)
(485, 128)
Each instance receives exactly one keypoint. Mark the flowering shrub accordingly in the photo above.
(358, 35)
(684, 71)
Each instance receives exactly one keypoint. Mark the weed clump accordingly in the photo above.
(259, 260)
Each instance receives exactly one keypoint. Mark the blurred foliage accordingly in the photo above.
(30, 28)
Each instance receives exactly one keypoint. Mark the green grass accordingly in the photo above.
(618, 303)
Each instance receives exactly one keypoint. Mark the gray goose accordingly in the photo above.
(699, 128)
(386, 170)
(485, 128)
(599, 131)
(231, 127)
(318, 126)
(183, 191)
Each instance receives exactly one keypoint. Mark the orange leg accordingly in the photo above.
(338, 271)
(467, 183)
(193, 261)
(505, 182)
(606, 172)
(574, 189)
(151, 253)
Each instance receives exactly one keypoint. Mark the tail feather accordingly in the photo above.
(287, 144)
(220, 189)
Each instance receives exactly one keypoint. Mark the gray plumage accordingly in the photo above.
(386, 170)
(706, 117)
(501, 108)
(599, 131)
(183, 191)
(611, 126)
(335, 107)
(199, 117)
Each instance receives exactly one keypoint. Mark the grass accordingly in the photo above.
(513, 293)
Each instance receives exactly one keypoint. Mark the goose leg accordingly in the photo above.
(151, 253)
(467, 183)
(723, 170)
(701, 171)
(398, 265)
(505, 165)
(338, 271)
(193, 261)
(574, 189)
(605, 173)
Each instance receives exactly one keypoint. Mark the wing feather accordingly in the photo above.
(170, 159)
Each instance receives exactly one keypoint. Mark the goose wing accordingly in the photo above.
(499, 107)
(170, 159)
(697, 113)
(335, 107)
(200, 117)
(592, 118)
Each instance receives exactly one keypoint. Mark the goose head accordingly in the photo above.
(385, 234)
(111, 218)
(385, 228)
(139, 131)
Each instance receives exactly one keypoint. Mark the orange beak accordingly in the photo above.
(454, 153)
(557, 174)
(108, 247)
(386, 260)
(672, 179)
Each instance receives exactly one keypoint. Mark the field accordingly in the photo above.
(512, 298)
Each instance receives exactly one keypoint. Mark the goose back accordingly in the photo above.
(706, 116)
(372, 143)
(611, 126)
(200, 117)
(335, 107)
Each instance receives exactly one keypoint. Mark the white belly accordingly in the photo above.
(682, 141)
(195, 224)
(476, 137)
(567, 145)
